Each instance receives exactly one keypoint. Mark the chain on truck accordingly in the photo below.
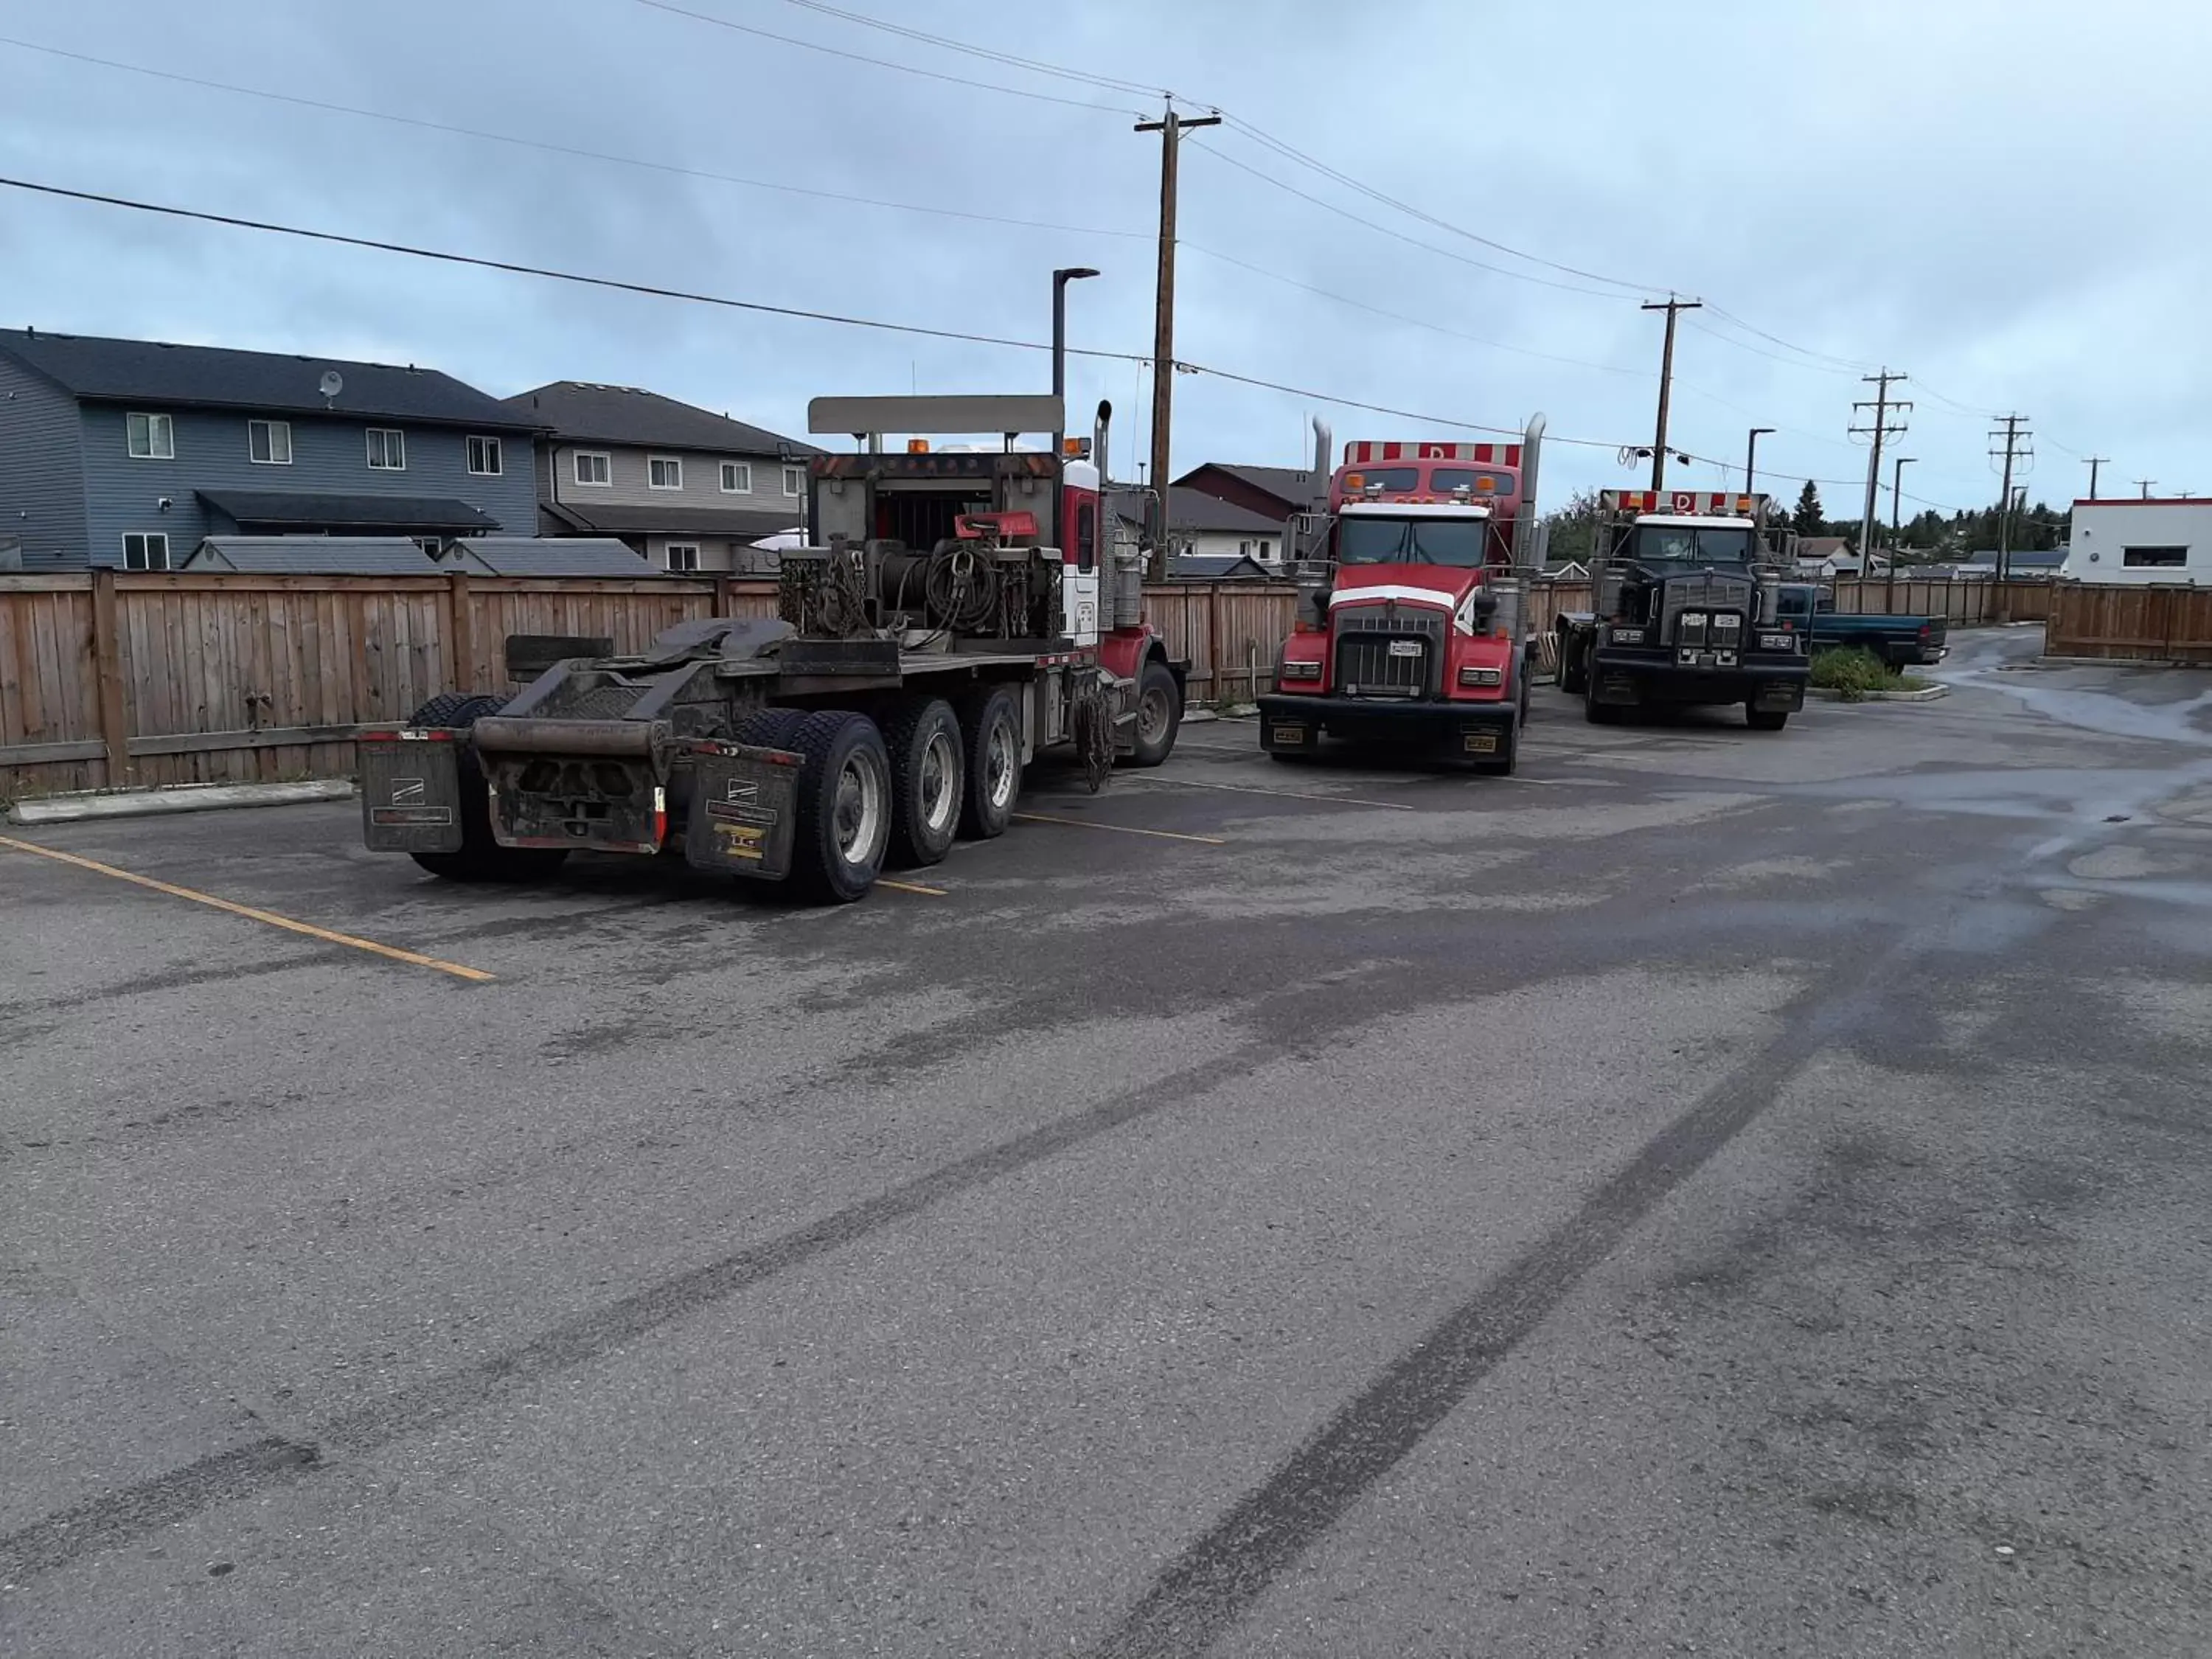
(1415, 636)
(962, 608)
(1686, 598)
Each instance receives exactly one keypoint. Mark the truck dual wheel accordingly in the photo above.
(991, 738)
(1574, 674)
(843, 823)
(1159, 713)
(480, 857)
(1766, 719)
(929, 776)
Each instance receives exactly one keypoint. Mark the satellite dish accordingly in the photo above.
(332, 383)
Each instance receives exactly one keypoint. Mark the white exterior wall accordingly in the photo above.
(1234, 542)
(2103, 531)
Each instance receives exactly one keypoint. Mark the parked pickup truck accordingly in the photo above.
(1901, 641)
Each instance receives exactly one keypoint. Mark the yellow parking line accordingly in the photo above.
(1123, 828)
(268, 917)
(912, 887)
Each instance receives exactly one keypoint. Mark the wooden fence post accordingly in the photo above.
(1220, 684)
(461, 632)
(724, 583)
(108, 667)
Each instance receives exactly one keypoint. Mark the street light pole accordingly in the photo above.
(1060, 279)
(1751, 455)
(1896, 527)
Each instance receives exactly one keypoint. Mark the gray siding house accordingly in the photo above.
(131, 452)
(687, 489)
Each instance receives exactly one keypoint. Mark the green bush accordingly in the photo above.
(1854, 673)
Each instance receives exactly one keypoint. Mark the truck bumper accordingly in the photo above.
(1627, 681)
(1290, 724)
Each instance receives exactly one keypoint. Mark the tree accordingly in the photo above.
(1807, 520)
(1572, 531)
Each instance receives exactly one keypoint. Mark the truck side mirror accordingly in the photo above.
(1482, 610)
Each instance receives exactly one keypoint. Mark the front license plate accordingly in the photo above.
(1482, 743)
(1404, 647)
(1289, 734)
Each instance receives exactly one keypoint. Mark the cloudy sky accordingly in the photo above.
(2001, 198)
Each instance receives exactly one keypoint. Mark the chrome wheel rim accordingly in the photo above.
(1153, 715)
(858, 819)
(1000, 768)
(940, 790)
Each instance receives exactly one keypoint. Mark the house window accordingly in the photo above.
(794, 481)
(387, 450)
(2153, 558)
(1243, 549)
(682, 556)
(664, 472)
(737, 478)
(152, 438)
(484, 461)
(594, 468)
(269, 443)
(146, 550)
(1266, 549)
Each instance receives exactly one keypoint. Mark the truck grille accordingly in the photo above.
(1366, 665)
(1706, 593)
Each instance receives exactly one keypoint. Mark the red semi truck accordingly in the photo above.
(1416, 636)
(961, 611)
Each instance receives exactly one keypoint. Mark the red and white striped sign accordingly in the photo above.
(1688, 503)
(1367, 454)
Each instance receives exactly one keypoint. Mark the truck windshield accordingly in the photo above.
(1458, 542)
(1674, 544)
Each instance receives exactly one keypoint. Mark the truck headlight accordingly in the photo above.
(1777, 641)
(1301, 671)
(1625, 635)
(1482, 677)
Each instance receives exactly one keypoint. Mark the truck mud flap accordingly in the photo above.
(411, 791)
(744, 802)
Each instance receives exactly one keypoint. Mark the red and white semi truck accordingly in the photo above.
(1416, 636)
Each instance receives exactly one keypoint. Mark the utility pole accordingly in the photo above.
(2095, 461)
(1882, 431)
(1673, 308)
(1896, 524)
(1751, 455)
(1170, 127)
(2146, 483)
(2013, 438)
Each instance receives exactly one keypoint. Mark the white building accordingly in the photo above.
(2141, 542)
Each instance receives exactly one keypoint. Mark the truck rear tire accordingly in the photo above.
(480, 857)
(929, 777)
(770, 728)
(1573, 674)
(991, 738)
(1766, 719)
(1160, 715)
(843, 823)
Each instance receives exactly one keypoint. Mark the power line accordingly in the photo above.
(656, 291)
(1398, 236)
(575, 151)
(516, 268)
(1012, 60)
(1258, 136)
(884, 63)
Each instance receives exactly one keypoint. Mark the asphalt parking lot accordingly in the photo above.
(1712, 1192)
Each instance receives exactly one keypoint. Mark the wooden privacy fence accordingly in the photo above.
(2140, 624)
(118, 679)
